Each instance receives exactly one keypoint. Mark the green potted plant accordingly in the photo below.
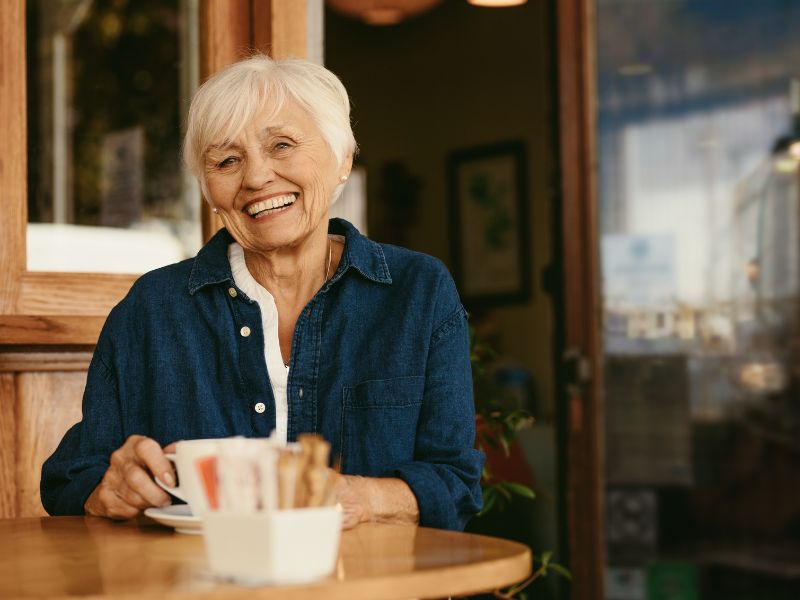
(499, 419)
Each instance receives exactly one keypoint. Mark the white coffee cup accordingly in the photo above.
(190, 486)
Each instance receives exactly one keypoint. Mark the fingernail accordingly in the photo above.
(166, 503)
(168, 479)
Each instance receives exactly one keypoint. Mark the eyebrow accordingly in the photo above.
(280, 128)
(263, 133)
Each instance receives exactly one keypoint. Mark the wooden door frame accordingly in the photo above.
(582, 393)
(39, 308)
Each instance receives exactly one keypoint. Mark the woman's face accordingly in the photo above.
(272, 186)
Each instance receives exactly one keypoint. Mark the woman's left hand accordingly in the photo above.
(351, 496)
(384, 500)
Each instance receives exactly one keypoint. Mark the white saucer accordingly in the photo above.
(178, 516)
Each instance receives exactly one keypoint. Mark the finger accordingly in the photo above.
(171, 448)
(138, 489)
(131, 497)
(150, 454)
(111, 505)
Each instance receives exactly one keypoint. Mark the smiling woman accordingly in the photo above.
(287, 321)
(272, 186)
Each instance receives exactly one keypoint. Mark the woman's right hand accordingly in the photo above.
(127, 487)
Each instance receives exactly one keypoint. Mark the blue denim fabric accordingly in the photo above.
(380, 367)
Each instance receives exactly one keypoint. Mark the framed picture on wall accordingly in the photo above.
(489, 223)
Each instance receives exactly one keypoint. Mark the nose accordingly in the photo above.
(258, 171)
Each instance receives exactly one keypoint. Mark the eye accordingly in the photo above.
(282, 146)
(227, 162)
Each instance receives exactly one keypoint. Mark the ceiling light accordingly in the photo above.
(382, 12)
(497, 3)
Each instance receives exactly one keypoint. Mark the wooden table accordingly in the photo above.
(72, 557)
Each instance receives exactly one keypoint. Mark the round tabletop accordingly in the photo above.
(73, 557)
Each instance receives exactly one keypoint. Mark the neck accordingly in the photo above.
(292, 275)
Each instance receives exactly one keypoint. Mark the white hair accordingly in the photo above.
(224, 105)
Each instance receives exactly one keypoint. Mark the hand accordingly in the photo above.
(380, 499)
(351, 494)
(127, 487)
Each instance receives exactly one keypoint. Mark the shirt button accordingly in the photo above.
(232, 292)
(261, 407)
(245, 331)
(300, 393)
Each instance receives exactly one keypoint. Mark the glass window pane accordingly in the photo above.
(108, 86)
(699, 149)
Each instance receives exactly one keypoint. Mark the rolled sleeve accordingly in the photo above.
(445, 474)
(76, 467)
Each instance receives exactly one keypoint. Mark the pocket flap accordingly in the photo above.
(383, 393)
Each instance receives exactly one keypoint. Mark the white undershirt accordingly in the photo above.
(278, 372)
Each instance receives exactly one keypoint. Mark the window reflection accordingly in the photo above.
(700, 221)
(108, 83)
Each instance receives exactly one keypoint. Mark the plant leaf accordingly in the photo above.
(502, 488)
(563, 571)
(489, 500)
(520, 490)
(488, 505)
(506, 447)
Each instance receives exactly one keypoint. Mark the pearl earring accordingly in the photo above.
(343, 178)
(216, 210)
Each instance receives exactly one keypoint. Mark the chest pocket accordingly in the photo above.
(379, 424)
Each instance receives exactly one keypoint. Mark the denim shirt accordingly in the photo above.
(379, 366)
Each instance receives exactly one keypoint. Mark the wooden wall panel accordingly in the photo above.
(280, 27)
(66, 293)
(13, 178)
(8, 445)
(289, 28)
(225, 37)
(49, 330)
(262, 26)
(47, 405)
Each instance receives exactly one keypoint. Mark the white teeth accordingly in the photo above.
(271, 203)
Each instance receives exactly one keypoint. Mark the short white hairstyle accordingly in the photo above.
(224, 105)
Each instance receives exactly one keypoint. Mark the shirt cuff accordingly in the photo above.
(72, 497)
(437, 506)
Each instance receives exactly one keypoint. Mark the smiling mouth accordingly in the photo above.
(270, 206)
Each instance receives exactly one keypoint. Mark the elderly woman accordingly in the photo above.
(284, 321)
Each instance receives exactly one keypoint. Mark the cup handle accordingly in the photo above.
(174, 490)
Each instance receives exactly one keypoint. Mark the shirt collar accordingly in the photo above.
(360, 253)
(211, 265)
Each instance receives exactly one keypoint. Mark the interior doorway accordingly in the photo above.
(430, 94)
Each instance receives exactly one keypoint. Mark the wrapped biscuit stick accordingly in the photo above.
(288, 463)
(237, 475)
(207, 469)
(301, 490)
(317, 472)
(268, 479)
